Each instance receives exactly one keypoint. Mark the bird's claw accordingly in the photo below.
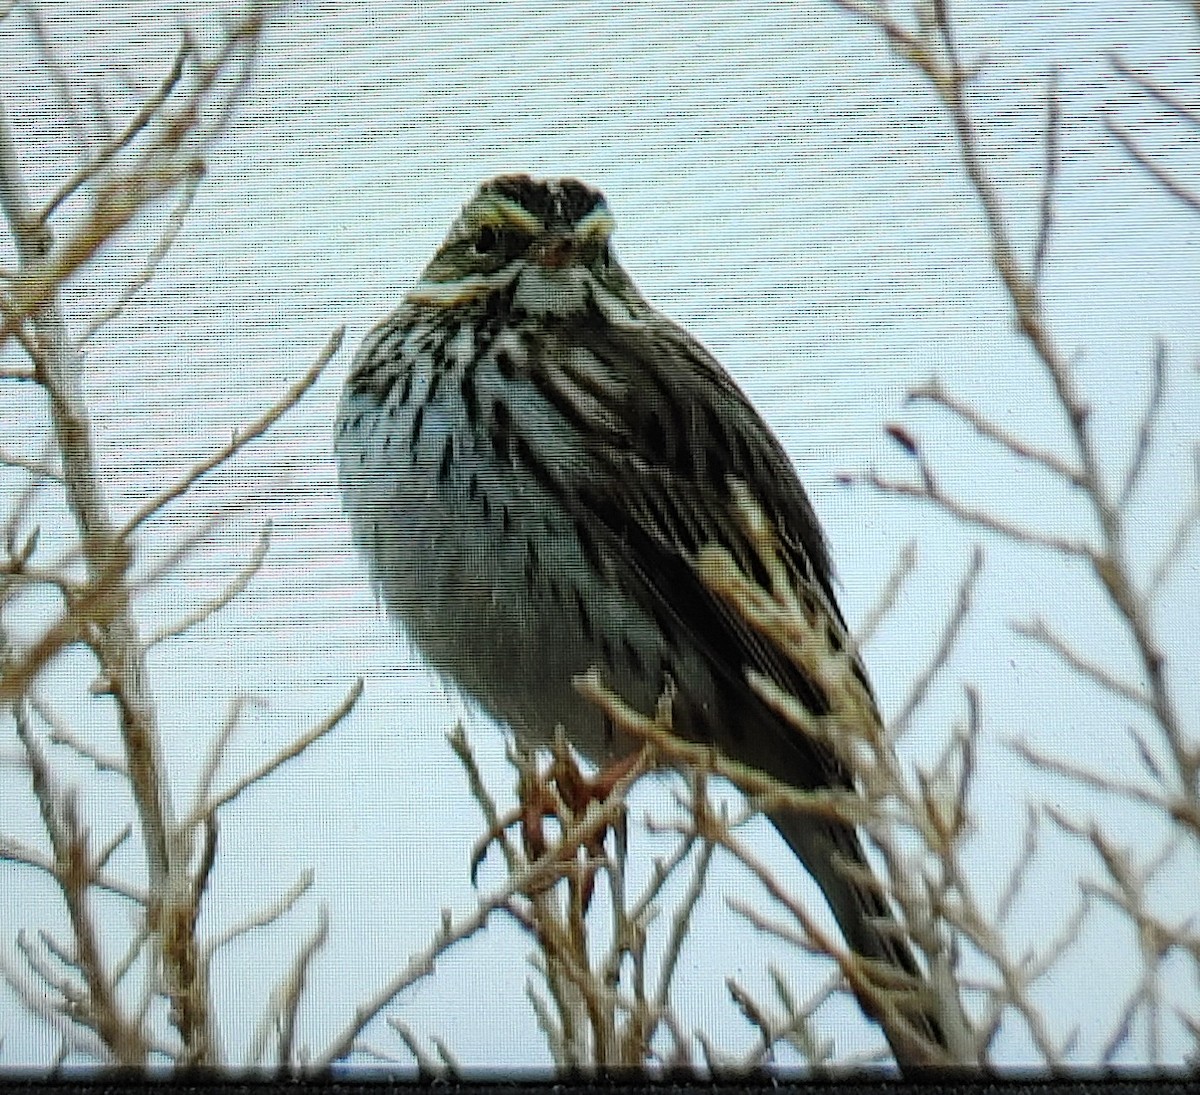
(562, 792)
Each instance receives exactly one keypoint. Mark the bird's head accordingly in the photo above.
(548, 238)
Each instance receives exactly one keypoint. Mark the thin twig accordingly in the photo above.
(292, 991)
(276, 910)
(240, 438)
(34, 467)
(1146, 425)
(289, 752)
(682, 919)
(157, 253)
(233, 589)
(53, 66)
(142, 117)
(1097, 780)
(216, 750)
(1040, 632)
(1165, 180)
(495, 832)
(1188, 521)
(934, 392)
(1173, 104)
(979, 518)
(20, 373)
(962, 607)
(1052, 163)
(1016, 877)
(427, 1067)
(906, 563)
(62, 734)
(100, 1009)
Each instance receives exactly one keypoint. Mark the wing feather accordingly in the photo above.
(669, 431)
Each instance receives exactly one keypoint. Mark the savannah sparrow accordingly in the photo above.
(531, 457)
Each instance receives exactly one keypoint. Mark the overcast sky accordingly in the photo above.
(788, 191)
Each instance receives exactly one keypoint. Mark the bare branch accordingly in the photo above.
(34, 998)
(1163, 178)
(949, 78)
(1050, 170)
(115, 635)
(174, 158)
(240, 438)
(934, 392)
(234, 588)
(1146, 426)
(289, 752)
(962, 606)
(1039, 631)
(531, 877)
(35, 288)
(161, 148)
(106, 852)
(495, 830)
(141, 118)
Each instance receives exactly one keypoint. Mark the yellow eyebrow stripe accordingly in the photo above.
(458, 291)
(513, 215)
(598, 223)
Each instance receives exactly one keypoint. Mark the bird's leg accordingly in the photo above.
(563, 792)
(537, 799)
(576, 792)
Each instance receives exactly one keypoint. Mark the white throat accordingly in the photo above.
(545, 292)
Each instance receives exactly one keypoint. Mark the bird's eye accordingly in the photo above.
(487, 241)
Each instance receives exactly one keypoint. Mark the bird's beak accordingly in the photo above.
(555, 250)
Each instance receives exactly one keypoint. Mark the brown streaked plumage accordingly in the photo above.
(531, 457)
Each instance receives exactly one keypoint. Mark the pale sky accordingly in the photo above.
(788, 191)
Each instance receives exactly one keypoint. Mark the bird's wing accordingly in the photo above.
(670, 429)
(665, 432)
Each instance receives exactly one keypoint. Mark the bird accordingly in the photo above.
(532, 457)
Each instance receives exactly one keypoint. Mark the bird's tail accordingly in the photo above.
(899, 996)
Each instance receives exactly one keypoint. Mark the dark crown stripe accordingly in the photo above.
(555, 203)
